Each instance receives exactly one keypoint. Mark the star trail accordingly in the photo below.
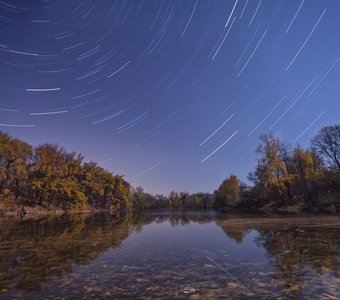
(171, 94)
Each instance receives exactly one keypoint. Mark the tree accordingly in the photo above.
(104, 189)
(55, 177)
(121, 192)
(138, 198)
(271, 173)
(15, 157)
(184, 199)
(285, 154)
(228, 193)
(51, 176)
(91, 181)
(303, 162)
(174, 199)
(327, 142)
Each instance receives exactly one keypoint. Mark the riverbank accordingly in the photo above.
(39, 211)
(10, 208)
(301, 207)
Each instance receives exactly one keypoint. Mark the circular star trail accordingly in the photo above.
(172, 94)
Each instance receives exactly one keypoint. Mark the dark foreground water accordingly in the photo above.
(183, 255)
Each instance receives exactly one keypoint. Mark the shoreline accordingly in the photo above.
(39, 212)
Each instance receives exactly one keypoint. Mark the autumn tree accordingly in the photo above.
(91, 181)
(273, 171)
(228, 193)
(285, 155)
(15, 157)
(327, 142)
(121, 193)
(303, 163)
(103, 189)
(55, 177)
(48, 175)
(138, 198)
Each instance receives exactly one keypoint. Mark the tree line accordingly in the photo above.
(50, 176)
(285, 175)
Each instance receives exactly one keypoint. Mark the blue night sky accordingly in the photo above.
(172, 94)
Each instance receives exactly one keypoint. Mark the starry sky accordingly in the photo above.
(172, 94)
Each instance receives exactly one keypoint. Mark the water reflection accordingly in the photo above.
(34, 252)
(162, 254)
(303, 253)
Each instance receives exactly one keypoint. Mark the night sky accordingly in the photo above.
(172, 94)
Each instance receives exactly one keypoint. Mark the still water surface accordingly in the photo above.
(169, 255)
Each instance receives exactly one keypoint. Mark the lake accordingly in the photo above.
(170, 255)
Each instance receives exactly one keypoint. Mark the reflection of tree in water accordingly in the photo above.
(183, 218)
(39, 250)
(175, 218)
(33, 252)
(234, 232)
(299, 252)
(234, 227)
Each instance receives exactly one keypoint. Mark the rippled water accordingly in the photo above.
(183, 255)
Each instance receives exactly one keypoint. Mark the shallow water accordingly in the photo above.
(183, 255)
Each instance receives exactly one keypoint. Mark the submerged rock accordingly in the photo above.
(117, 290)
(154, 288)
(189, 290)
